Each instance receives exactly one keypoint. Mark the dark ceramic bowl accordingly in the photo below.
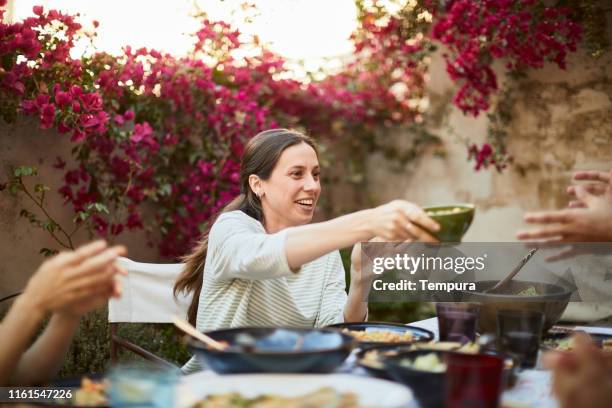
(418, 334)
(453, 224)
(277, 350)
(429, 388)
(551, 301)
(375, 367)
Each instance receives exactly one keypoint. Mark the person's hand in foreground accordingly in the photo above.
(68, 286)
(592, 222)
(583, 377)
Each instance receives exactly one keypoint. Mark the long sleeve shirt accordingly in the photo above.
(248, 282)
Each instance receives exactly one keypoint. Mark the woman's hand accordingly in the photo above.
(74, 283)
(401, 220)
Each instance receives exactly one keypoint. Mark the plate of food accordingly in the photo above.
(291, 390)
(377, 333)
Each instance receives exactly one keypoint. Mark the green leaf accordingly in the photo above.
(165, 190)
(49, 225)
(81, 215)
(48, 252)
(39, 188)
(14, 188)
(25, 171)
(101, 208)
(31, 217)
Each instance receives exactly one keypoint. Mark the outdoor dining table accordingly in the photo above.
(532, 389)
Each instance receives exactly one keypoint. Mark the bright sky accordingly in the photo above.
(311, 30)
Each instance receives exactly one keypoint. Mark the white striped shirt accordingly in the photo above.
(248, 282)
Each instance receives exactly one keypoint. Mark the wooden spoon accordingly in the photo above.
(512, 273)
(186, 327)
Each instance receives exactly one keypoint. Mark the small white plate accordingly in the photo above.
(372, 392)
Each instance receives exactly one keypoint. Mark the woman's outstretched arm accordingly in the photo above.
(397, 220)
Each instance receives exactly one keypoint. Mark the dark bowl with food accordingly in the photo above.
(279, 350)
(424, 371)
(369, 334)
(454, 220)
(371, 358)
(548, 298)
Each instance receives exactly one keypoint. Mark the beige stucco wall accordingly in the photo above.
(561, 122)
(23, 143)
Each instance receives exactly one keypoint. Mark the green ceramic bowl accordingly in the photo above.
(454, 220)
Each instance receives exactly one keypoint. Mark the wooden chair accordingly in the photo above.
(147, 298)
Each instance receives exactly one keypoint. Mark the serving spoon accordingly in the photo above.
(512, 273)
(186, 327)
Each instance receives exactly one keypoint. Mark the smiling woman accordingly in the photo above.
(263, 264)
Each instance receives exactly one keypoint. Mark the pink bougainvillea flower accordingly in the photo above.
(62, 98)
(42, 100)
(29, 106)
(59, 163)
(47, 116)
(62, 127)
(77, 136)
(92, 102)
(119, 119)
(116, 229)
(76, 91)
(128, 115)
(133, 221)
(142, 131)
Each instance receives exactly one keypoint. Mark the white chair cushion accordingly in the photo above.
(147, 294)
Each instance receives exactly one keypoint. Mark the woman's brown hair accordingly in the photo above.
(260, 156)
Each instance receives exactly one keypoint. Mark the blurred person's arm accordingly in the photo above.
(582, 377)
(67, 285)
(16, 332)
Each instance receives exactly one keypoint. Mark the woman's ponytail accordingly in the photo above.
(191, 279)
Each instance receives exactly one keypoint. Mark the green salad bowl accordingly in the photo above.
(454, 220)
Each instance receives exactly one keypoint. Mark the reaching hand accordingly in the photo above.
(402, 220)
(600, 181)
(593, 223)
(74, 283)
